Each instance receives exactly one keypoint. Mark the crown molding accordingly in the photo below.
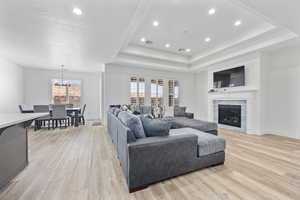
(146, 62)
(255, 45)
(140, 14)
(227, 45)
(139, 50)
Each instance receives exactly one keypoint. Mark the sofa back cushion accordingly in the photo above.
(117, 111)
(155, 127)
(179, 111)
(133, 122)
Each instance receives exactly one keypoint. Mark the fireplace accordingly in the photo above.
(230, 115)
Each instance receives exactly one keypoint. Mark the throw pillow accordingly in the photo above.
(133, 122)
(155, 127)
(117, 111)
(136, 112)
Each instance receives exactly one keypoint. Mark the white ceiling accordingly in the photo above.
(45, 33)
(191, 16)
(280, 12)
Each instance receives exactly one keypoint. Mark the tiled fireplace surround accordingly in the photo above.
(243, 105)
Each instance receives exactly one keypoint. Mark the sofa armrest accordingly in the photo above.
(189, 115)
(156, 158)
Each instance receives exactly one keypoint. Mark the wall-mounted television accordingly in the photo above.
(230, 78)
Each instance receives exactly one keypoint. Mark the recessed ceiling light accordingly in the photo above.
(238, 23)
(77, 11)
(212, 11)
(155, 23)
(188, 50)
(207, 39)
(143, 39)
(167, 45)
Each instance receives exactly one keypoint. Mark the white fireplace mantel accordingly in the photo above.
(252, 106)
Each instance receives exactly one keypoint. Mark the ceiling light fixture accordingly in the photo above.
(238, 23)
(155, 23)
(207, 39)
(188, 50)
(143, 39)
(62, 82)
(212, 11)
(77, 11)
(167, 45)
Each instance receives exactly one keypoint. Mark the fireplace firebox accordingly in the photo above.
(230, 115)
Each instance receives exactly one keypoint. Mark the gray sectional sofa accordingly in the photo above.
(151, 159)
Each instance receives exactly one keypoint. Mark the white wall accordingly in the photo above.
(37, 88)
(283, 92)
(117, 84)
(276, 76)
(11, 86)
(201, 94)
(204, 82)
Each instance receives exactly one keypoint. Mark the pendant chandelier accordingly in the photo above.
(62, 81)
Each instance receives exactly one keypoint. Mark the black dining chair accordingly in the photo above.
(42, 120)
(59, 116)
(81, 118)
(81, 115)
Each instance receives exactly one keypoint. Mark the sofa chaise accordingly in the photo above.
(151, 159)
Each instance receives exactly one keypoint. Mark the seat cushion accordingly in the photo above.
(155, 127)
(183, 122)
(133, 122)
(207, 143)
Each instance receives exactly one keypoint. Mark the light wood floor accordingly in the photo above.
(81, 164)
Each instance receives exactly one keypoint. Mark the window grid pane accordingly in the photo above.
(137, 91)
(68, 92)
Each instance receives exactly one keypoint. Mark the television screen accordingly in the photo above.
(230, 78)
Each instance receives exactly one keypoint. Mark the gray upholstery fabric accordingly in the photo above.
(142, 109)
(182, 122)
(133, 122)
(152, 159)
(179, 111)
(207, 143)
(117, 111)
(115, 128)
(157, 158)
(155, 127)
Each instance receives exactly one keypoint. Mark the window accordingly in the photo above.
(157, 92)
(137, 91)
(173, 93)
(68, 92)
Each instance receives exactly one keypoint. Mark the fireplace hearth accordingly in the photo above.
(230, 115)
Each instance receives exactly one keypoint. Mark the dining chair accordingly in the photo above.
(59, 115)
(25, 108)
(80, 116)
(42, 120)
